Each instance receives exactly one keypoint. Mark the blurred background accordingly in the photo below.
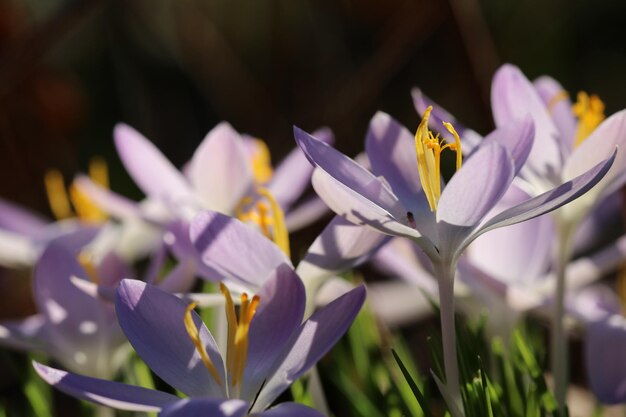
(70, 70)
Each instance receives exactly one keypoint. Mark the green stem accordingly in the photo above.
(445, 277)
(559, 346)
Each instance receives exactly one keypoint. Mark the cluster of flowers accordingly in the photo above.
(226, 216)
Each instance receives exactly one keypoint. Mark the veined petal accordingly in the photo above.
(605, 344)
(19, 220)
(476, 188)
(360, 210)
(108, 393)
(232, 250)
(559, 105)
(548, 201)
(219, 169)
(278, 316)
(205, 407)
(598, 146)
(438, 115)
(289, 410)
(153, 321)
(519, 254)
(149, 168)
(312, 340)
(512, 96)
(341, 246)
(347, 172)
(517, 138)
(293, 175)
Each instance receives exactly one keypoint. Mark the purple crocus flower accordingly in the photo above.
(224, 174)
(76, 328)
(403, 195)
(268, 348)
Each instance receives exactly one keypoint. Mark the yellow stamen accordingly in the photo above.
(99, 172)
(84, 259)
(556, 99)
(590, 113)
(85, 209)
(270, 220)
(193, 333)
(428, 150)
(237, 348)
(57, 196)
(261, 163)
(61, 203)
(281, 235)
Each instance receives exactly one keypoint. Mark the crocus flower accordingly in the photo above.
(229, 173)
(79, 330)
(403, 194)
(268, 348)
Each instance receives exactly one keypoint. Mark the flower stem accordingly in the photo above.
(559, 346)
(445, 277)
(102, 411)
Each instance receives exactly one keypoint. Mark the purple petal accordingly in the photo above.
(517, 138)
(219, 170)
(401, 258)
(357, 208)
(391, 152)
(20, 220)
(278, 316)
(206, 407)
(476, 187)
(603, 225)
(311, 342)
(108, 393)
(149, 168)
(290, 410)
(293, 175)
(512, 97)
(598, 146)
(469, 139)
(232, 250)
(153, 321)
(548, 201)
(519, 254)
(112, 203)
(179, 279)
(341, 246)
(75, 321)
(559, 105)
(605, 344)
(305, 213)
(593, 303)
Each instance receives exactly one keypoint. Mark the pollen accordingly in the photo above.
(428, 148)
(265, 212)
(238, 329)
(194, 335)
(590, 113)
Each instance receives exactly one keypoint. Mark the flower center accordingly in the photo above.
(590, 113)
(62, 199)
(237, 345)
(428, 149)
(85, 260)
(261, 163)
(266, 214)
